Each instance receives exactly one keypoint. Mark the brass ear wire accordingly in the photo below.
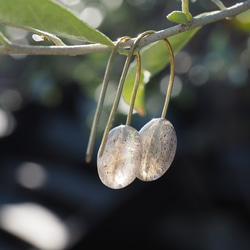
(119, 91)
(135, 88)
(106, 78)
(158, 138)
(137, 78)
(171, 79)
(120, 87)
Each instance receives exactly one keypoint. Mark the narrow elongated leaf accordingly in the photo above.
(48, 16)
(154, 57)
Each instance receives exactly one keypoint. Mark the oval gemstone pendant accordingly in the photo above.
(159, 142)
(121, 157)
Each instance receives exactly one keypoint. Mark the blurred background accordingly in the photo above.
(50, 199)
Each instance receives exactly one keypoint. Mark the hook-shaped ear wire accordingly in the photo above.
(135, 88)
(137, 78)
(119, 91)
(171, 79)
(101, 98)
(158, 139)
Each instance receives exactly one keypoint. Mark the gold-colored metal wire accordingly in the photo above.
(106, 78)
(171, 79)
(119, 90)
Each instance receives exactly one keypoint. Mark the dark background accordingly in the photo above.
(46, 108)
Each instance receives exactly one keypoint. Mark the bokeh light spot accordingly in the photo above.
(112, 4)
(237, 75)
(198, 75)
(177, 86)
(93, 16)
(16, 34)
(245, 59)
(10, 100)
(31, 175)
(146, 76)
(110, 93)
(35, 224)
(70, 2)
(183, 62)
(215, 62)
(7, 123)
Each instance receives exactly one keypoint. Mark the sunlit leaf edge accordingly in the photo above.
(49, 16)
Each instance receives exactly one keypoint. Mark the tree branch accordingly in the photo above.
(198, 21)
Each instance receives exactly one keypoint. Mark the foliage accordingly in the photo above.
(52, 19)
(48, 17)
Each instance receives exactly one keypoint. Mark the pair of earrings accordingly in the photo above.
(125, 153)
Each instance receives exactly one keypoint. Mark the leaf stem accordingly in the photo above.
(219, 4)
(185, 10)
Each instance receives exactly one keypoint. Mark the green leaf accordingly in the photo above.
(178, 17)
(154, 58)
(242, 21)
(48, 16)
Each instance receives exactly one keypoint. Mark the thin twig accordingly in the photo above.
(198, 21)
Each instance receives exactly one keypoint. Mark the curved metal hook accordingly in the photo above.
(119, 90)
(106, 78)
(171, 79)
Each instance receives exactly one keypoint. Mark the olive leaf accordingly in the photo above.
(50, 17)
(178, 17)
(182, 17)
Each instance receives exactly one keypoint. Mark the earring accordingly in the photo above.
(120, 152)
(106, 78)
(158, 138)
